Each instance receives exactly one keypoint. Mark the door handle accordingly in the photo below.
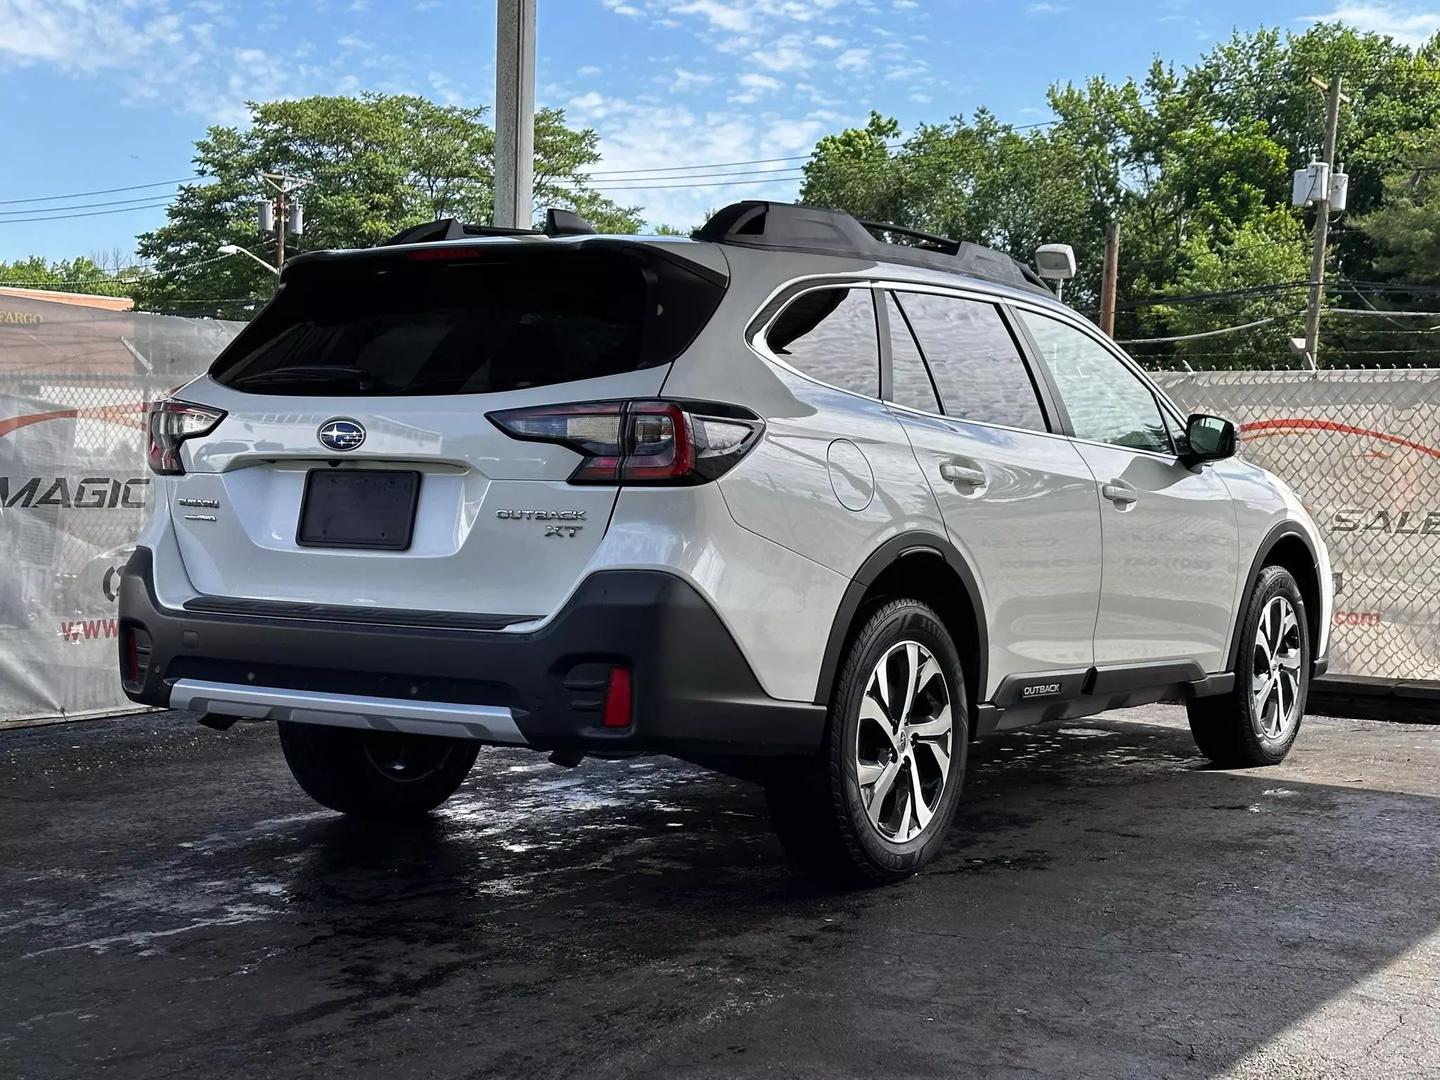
(1120, 493)
(963, 474)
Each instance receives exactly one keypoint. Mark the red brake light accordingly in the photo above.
(639, 442)
(169, 423)
(617, 712)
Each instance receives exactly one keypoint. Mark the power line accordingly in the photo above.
(640, 180)
(88, 213)
(142, 275)
(1210, 333)
(100, 191)
(656, 171)
(705, 184)
(78, 206)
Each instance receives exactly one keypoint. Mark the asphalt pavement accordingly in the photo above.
(172, 905)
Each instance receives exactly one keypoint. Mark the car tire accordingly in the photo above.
(1256, 723)
(375, 773)
(912, 754)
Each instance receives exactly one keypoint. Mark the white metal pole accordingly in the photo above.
(514, 113)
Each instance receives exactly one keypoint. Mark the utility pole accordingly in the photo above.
(514, 113)
(1333, 98)
(1110, 278)
(287, 214)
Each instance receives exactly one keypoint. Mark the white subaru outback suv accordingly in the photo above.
(786, 500)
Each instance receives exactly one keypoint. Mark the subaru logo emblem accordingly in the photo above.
(341, 434)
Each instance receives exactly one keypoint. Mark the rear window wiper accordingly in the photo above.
(306, 373)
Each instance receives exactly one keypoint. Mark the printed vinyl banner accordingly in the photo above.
(1362, 450)
(75, 488)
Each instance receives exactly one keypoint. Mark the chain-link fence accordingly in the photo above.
(1362, 450)
(74, 485)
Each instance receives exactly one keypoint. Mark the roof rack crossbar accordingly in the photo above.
(939, 243)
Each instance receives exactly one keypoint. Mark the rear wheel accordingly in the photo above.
(1256, 723)
(375, 773)
(875, 804)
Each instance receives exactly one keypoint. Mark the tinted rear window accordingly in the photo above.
(484, 321)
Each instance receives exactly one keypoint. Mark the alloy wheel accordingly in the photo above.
(1275, 675)
(903, 742)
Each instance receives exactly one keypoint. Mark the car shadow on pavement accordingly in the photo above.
(1106, 906)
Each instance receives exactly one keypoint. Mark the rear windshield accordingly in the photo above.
(474, 320)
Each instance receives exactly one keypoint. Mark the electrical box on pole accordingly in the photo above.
(1310, 184)
(297, 218)
(265, 211)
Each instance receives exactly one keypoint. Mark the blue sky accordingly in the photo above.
(109, 93)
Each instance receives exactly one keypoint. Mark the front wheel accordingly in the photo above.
(1256, 723)
(875, 804)
(375, 773)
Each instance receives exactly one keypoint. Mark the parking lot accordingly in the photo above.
(1108, 906)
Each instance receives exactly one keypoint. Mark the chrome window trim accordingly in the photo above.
(797, 287)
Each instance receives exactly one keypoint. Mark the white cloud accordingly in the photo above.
(721, 16)
(1046, 9)
(754, 86)
(853, 60)
(1403, 23)
(689, 80)
(786, 54)
(753, 80)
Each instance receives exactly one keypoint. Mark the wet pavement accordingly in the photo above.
(172, 905)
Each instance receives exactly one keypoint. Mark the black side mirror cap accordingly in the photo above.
(1208, 438)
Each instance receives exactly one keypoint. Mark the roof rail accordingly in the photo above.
(793, 227)
(557, 223)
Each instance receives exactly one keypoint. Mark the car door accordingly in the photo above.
(1171, 554)
(1017, 501)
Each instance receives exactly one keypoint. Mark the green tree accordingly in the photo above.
(1405, 227)
(376, 164)
(79, 275)
(1266, 247)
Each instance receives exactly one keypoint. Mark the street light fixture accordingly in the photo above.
(236, 249)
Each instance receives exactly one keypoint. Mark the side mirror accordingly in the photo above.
(1208, 438)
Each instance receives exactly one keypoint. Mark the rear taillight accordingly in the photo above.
(640, 442)
(170, 423)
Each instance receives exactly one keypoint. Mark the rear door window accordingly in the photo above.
(910, 383)
(830, 334)
(474, 320)
(975, 361)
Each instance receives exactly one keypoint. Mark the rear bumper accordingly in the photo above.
(693, 692)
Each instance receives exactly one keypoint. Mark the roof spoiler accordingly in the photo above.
(557, 223)
(816, 231)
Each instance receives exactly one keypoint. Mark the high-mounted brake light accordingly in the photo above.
(640, 442)
(170, 422)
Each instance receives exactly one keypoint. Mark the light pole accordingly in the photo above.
(236, 249)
